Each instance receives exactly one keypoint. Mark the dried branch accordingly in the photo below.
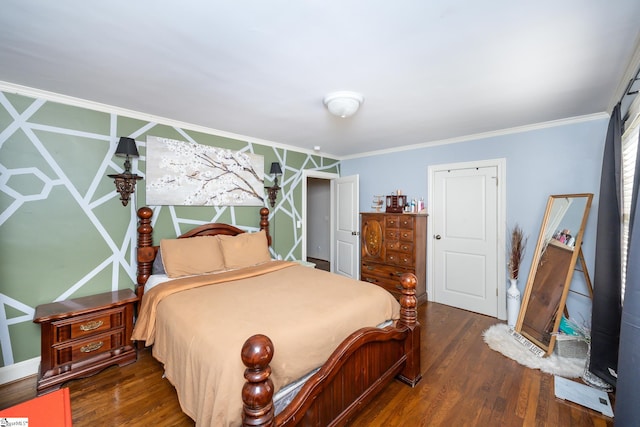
(517, 247)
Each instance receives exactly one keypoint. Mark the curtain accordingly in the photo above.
(606, 308)
(628, 384)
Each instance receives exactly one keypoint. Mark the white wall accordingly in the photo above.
(559, 159)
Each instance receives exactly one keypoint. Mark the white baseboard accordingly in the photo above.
(19, 370)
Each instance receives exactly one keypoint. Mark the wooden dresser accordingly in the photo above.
(82, 336)
(394, 244)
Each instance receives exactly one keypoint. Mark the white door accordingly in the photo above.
(465, 238)
(347, 229)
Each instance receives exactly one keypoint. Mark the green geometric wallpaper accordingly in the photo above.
(63, 230)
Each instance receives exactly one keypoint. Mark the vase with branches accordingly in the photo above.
(517, 245)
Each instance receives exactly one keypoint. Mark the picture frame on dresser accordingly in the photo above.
(393, 244)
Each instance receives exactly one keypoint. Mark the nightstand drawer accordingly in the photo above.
(82, 326)
(75, 351)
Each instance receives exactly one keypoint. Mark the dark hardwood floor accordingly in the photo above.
(321, 264)
(464, 384)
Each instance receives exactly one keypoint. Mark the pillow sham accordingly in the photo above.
(244, 250)
(191, 256)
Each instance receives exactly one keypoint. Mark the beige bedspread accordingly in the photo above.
(199, 330)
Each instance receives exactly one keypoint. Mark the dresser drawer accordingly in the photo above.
(406, 221)
(81, 326)
(399, 246)
(400, 258)
(384, 271)
(77, 350)
(405, 235)
(392, 221)
(391, 235)
(398, 234)
(384, 275)
(399, 221)
(392, 286)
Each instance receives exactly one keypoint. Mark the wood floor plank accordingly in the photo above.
(464, 384)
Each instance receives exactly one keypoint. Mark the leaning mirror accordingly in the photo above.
(554, 260)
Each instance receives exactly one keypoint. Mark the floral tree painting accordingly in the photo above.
(192, 174)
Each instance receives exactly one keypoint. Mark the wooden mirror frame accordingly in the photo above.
(548, 283)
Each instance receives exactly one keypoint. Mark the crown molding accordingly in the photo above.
(484, 135)
(83, 103)
(111, 109)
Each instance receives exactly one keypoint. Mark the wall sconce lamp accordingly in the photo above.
(126, 182)
(272, 191)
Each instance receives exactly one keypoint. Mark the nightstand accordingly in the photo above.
(82, 336)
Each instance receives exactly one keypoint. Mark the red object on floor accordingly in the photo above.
(50, 410)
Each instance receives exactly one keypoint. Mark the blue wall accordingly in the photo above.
(561, 159)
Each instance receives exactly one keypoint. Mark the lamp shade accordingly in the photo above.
(127, 147)
(343, 104)
(275, 169)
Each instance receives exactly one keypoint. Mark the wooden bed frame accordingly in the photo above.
(345, 383)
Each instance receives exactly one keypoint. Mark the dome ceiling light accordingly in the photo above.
(343, 104)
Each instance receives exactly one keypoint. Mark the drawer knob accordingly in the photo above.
(370, 280)
(91, 347)
(90, 326)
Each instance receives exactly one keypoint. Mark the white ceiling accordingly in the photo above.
(429, 70)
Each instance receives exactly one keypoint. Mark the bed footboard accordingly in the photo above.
(356, 371)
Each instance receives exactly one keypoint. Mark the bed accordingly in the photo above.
(248, 340)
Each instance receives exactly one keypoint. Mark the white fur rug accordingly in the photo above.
(498, 338)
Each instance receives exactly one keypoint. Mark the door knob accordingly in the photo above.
(438, 237)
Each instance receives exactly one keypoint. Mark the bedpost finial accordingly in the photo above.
(257, 352)
(409, 281)
(145, 212)
(408, 300)
(264, 223)
(257, 392)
